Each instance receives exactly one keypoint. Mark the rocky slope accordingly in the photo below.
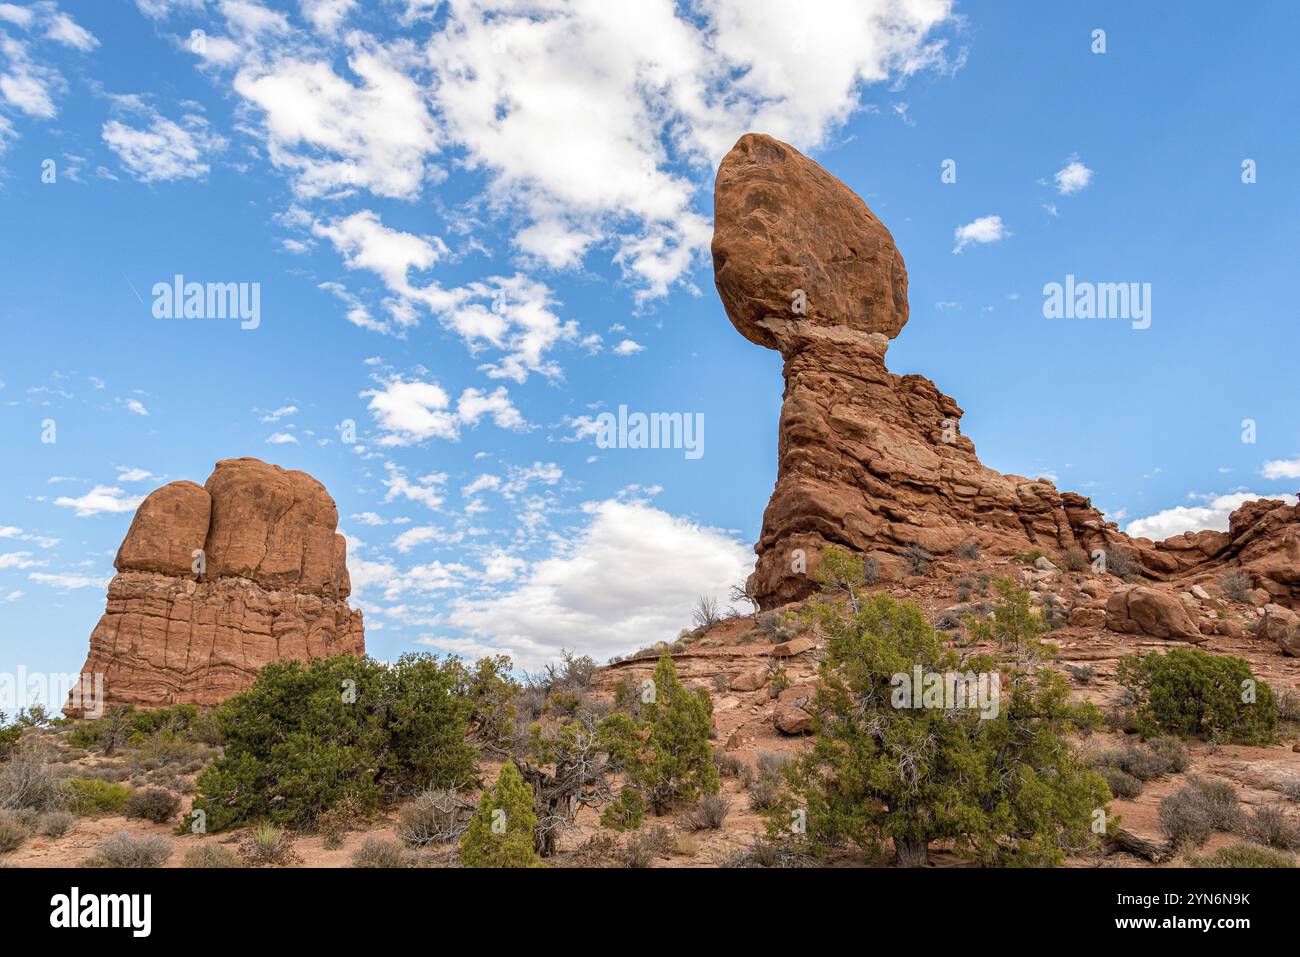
(215, 581)
(875, 462)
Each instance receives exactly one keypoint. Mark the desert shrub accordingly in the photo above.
(87, 796)
(501, 832)
(1270, 826)
(775, 627)
(211, 856)
(1121, 564)
(640, 849)
(124, 849)
(763, 782)
(918, 559)
(1243, 855)
(13, 831)
(434, 817)
(265, 845)
(728, 765)
(1074, 559)
(969, 549)
(56, 823)
(666, 752)
(1145, 762)
(1121, 783)
(1172, 752)
(1189, 692)
(492, 697)
(1084, 674)
(1287, 703)
(1186, 817)
(27, 780)
(841, 573)
(307, 736)
(1003, 788)
(709, 813)
(152, 804)
(380, 852)
(1236, 584)
(1225, 805)
(625, 812)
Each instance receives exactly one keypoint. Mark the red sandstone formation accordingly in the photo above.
(216, 581)
(875, 462)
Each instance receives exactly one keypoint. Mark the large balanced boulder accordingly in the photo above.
(213, 582)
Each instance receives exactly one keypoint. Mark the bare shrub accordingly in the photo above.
(211, 855)
(56, 823)
(705, 613)
(709, 813)
(152, 804)
(1270, 826)
(1236, 584)
(434, 817)
(969, 549)
(124, 849)
(380, 852)
(918, 559)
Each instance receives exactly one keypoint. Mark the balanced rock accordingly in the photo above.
(213, 582)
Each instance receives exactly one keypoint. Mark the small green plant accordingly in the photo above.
(1189, 692)
(501, 832)
(265, 845)
(124, 849)
(90, 796)
(625, 812)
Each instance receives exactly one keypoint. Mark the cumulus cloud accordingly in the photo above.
(594, 592)
(282, 438)
(1212, 515)
(411, 411)
(986, 229)
(1073, 177)
(101, 498)
(1281, 469)
(154, 149)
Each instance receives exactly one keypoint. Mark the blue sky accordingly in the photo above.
(472, 231)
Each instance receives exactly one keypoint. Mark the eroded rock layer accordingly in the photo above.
(215, 581)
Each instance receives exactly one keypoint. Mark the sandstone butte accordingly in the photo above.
(875, 463)
(272, 584)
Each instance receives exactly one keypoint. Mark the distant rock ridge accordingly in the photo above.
(875, 462)
(215, 581)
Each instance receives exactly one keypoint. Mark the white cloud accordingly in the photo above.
(327, 15)
(160, 150)
(63, 29)
(1281, 469)
(101, 498)
(1184, 518)
(125, 474)
(426, 491)
(135, 406)
(986, 229)
(18, 560)
(594, 591)
(334, 137)
(62, 580)
(1073, 177)
(628, 347)
(370, 518)
(282, 438)
(412, 411)
(275, 415)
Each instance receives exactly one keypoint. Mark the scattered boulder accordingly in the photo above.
(1281, 625)
(1143, 610)
(793, 721)
(749, 680)
(795, 646)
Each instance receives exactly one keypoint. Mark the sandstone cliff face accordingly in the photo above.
(875, 462)
(216, 581)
